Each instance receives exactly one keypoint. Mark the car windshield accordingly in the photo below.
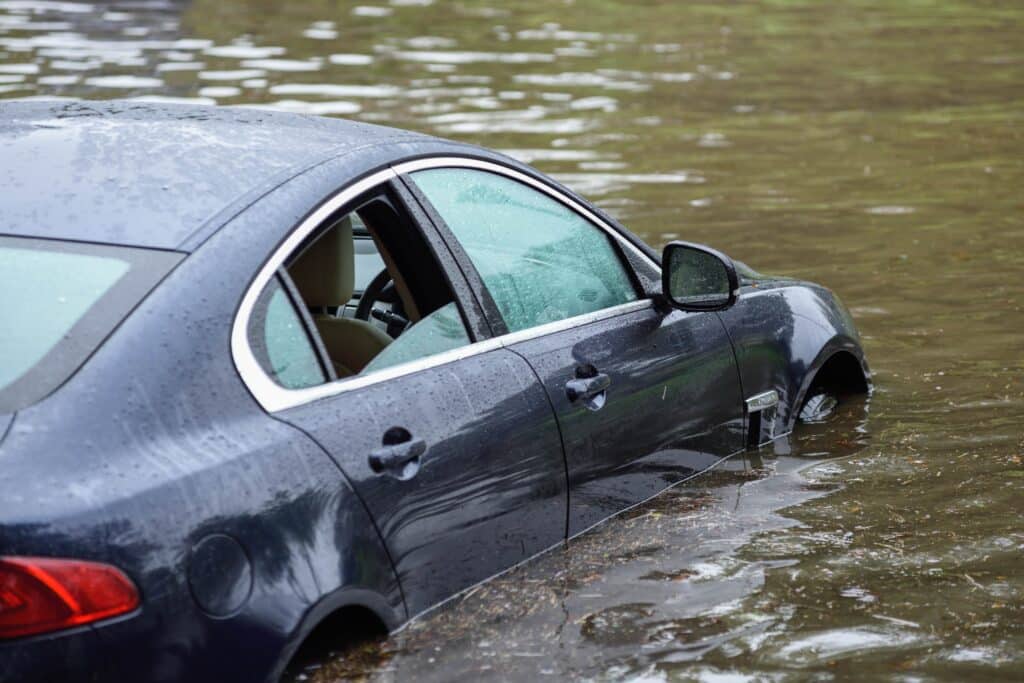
(58, 300)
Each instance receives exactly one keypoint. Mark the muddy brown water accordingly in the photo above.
(874, 146)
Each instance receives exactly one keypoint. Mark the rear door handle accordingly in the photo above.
(397, 456)
(587, 387)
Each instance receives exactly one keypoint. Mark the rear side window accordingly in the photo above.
(280, 342)
(58, 300)
(361, 293)
(540, 261)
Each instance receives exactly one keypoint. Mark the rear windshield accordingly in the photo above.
(58, 301)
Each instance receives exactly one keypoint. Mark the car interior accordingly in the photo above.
(374, 291)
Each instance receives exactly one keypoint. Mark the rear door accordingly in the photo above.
(460, 466)
(455, 454)
(644, 398)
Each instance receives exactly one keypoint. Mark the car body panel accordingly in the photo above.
(152, 175)
(782, 332)
(490, 489)
(673, 407)
(55, 657)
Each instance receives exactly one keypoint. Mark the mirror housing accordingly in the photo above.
(698, 278)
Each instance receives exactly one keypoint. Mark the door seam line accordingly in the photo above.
(351, 486)
(739, 374)
(561, 439)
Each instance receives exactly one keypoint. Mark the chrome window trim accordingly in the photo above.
(273, 397)
(266, 391)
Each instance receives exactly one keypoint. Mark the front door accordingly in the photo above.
(644, 398)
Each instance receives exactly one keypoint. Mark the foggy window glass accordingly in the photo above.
(540, 261)
(280, 341)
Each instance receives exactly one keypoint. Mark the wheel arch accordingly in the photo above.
(840, 365)
(350, 608)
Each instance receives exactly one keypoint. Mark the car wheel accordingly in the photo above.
(818, 407)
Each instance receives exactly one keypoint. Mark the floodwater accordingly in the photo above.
(876, 146)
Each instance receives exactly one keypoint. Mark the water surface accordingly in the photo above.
(874, 146)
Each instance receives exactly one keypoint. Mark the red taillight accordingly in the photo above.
(42, 594)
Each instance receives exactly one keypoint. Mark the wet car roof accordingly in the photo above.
(151, 175)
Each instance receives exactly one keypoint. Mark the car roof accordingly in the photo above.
(153, 174)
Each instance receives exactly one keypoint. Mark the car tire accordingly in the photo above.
(818, 407)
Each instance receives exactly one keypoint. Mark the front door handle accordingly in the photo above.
(399, 451)
(590, 389)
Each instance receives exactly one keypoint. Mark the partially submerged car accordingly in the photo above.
(263, 373)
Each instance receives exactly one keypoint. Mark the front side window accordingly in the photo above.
(540, 261)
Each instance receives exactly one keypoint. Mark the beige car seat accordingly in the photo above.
(325, 277)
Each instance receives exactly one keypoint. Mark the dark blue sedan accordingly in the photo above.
(263, 375)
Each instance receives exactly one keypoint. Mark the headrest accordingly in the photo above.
(325, 272)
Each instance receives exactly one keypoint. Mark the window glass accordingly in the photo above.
(45, 294)
(303, 330)
(442, 330)
(278, 337)
(59, 301)
(540, 261)
(412, 316)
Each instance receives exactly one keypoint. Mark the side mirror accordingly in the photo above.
(698, 278)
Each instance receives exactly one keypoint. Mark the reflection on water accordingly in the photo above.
(872, 145)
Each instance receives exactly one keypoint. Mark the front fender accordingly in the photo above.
(840, 343)
(782, 334)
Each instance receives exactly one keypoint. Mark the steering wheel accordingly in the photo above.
(382, 289)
